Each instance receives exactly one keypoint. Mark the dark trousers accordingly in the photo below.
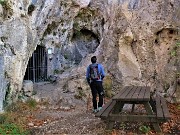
(97, 88)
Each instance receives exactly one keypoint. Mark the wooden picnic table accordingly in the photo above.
(134, 95)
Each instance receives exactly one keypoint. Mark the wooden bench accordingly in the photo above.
(157, 110)
(162, 112)
(104, 112)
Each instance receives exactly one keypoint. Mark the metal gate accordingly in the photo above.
(37, 66)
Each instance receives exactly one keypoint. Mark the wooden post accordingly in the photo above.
(149, 111)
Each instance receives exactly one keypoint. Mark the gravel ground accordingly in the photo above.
(82, 123)
(69, 117)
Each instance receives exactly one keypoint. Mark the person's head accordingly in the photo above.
(93, 59)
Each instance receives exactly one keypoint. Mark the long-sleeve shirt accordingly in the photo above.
(100, 72)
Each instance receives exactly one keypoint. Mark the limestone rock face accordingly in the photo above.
(137, 41)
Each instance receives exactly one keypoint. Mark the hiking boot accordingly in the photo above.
(95, 110)
(99, 108)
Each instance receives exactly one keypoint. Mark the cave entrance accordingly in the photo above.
(37, 66)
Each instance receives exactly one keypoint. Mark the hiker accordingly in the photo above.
(94, 75)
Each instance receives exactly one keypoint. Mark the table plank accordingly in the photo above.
(142, 93)
(133, 93)
(108, 110)
(98, 114)
(121, 92)
(147, 93)
(130, 94)
(123, 95)
(136, 94)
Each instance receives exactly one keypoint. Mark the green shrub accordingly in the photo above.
(2, 2)
(178, 44)
(76, 26)
(173, 53)
(2, 118)
(14, 121)
(20, 107)
(178, 107)
(14, 107)
(34, 92)
(7, 9)
(144, 129)
(50, 28)
(80, 94)
(58, 71)
(107, 84)
(11, 129)
(31, 103)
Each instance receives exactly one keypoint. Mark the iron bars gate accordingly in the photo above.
(37, 66)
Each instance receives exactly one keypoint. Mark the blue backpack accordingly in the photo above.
(94, 74)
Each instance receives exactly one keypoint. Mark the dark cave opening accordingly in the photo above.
(36, 70)
(86, 32)
(84, 42)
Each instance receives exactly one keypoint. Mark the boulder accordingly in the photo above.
(27, 88)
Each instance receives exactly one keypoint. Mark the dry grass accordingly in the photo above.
(14, 119)
(107, 84)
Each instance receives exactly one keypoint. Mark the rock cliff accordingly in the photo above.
(137, 41)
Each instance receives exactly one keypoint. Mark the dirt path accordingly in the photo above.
(68, 115)
(82, 123)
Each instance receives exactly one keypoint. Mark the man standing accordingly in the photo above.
(94, 75)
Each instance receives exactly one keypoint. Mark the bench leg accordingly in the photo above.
(150, 111)
(157, 127)
(133, 108)
(153, 104)
(118, 107)
(110, 125)
(148, 108)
